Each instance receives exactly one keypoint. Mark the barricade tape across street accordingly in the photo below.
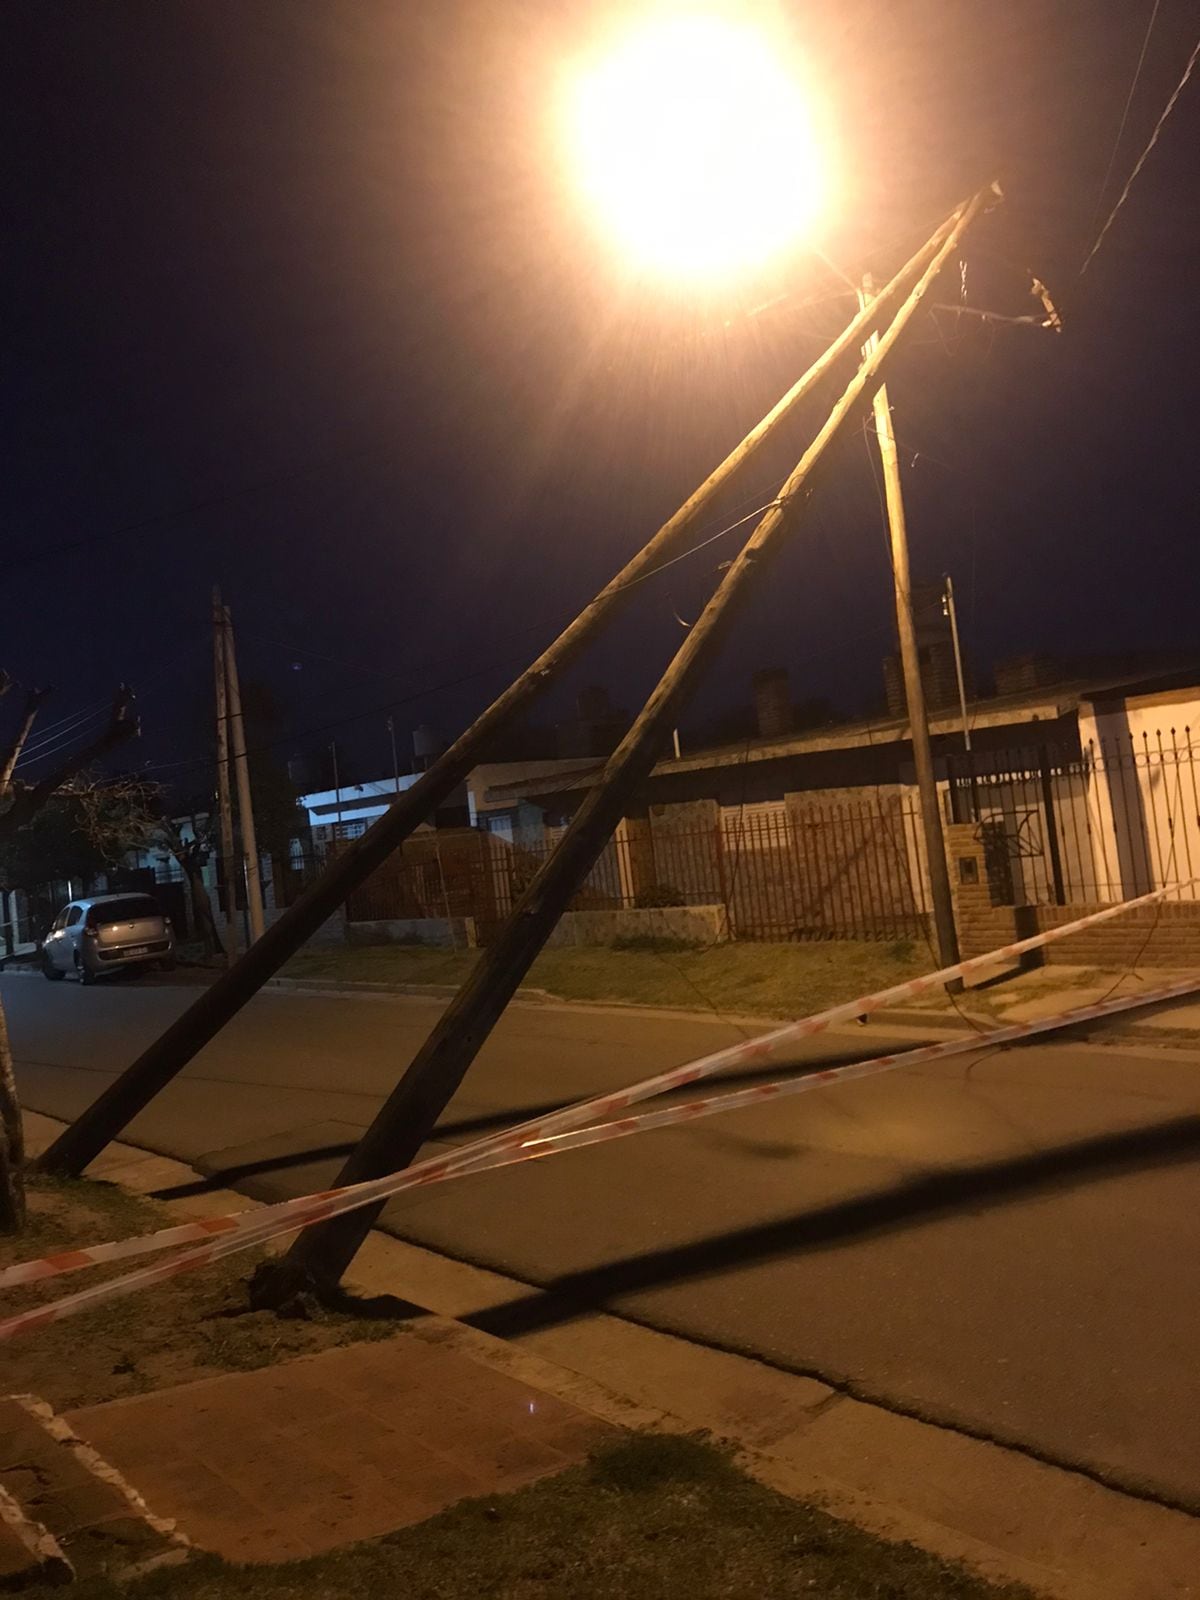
(581, 1112)
(563, 1130)
(270, 1222)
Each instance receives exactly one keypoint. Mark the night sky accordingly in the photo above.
(298, 299)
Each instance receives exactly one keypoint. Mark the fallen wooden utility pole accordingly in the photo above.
(320, 1256)
(161, 1061)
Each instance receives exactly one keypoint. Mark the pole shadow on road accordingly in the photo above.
(228, 1177)
(909, 1203)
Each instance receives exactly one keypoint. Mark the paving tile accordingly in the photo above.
(262, 1541)
(513, 1461)
(77, 1505)
(212, 1502)
(111, 1545)
(330, 1449)
(578, 1436)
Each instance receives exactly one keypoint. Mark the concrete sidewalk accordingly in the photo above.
(1066, 1534)
(296, 1459)
(1047, 991)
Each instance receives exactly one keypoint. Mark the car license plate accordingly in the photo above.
(136, 950)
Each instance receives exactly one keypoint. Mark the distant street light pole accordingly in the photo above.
(945, 932)
(226, 892)
(952, 613)
(241, 767)
(391, 726)
(337, 790)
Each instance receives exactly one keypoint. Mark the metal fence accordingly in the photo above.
(1116, 819)
(801, 872)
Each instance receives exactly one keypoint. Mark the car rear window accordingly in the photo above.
(129, 910)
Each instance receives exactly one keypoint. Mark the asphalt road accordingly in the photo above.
(1008, 1243)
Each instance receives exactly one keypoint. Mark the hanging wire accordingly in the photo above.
(65, 728)
(49, 747)
(1142, 159)
(1137, 72)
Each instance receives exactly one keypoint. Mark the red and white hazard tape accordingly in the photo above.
(272, 1221)
(557, 1131)
(824, 1077)
(308, 1209)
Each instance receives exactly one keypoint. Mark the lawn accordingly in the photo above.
(650, 1518)
(770, 980)
(189, 1327)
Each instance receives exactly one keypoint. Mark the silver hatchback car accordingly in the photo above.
(106, 933)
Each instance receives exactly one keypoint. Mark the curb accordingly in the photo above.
(929, 1022)
(430, 991)
(892, 1473)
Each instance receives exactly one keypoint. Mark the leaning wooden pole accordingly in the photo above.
(321, 1254)
(161, 1061)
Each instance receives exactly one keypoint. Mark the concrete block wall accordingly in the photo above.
(696, 924)
(331, 931)
(448, 933)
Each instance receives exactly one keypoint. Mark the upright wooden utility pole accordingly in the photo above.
(945, 931)
(241, 767)
(225, 879)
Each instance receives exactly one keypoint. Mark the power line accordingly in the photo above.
(388, 674)
(338, 722)
(1137, 72)
(44, 729)
(56, 737)
(437, 688)
(48, 747)
(60, 729)
(1141, 161)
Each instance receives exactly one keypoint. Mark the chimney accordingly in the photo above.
(772, 703)
(427, 747)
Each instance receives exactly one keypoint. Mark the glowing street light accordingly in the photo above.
(691, 139)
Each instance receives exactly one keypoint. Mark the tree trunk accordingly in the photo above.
(12, 1141)
(202, 913)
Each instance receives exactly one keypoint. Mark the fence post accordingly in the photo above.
(642, 874)
(722, 875)
(1052, 840)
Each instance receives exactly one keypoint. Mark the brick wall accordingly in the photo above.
(1166, 935)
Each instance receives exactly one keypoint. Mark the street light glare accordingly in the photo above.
(692, 142)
